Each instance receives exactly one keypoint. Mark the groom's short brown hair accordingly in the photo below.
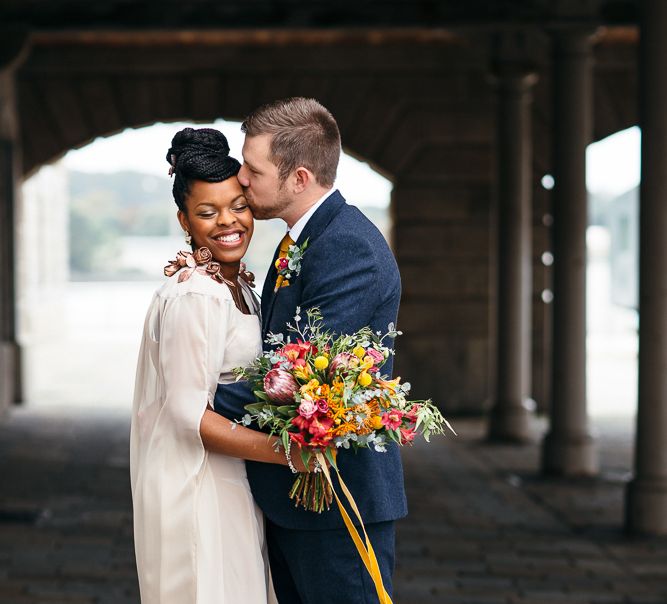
(304, 133)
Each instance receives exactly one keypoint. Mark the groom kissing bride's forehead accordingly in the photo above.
(347, 270)
(290, 157)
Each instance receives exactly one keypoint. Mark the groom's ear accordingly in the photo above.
(303, 177)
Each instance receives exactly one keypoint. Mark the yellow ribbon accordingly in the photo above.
(365, 550)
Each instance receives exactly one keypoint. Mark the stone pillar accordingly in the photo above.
(569, 448)
(511, 413)
(646, 510)
(11, 51)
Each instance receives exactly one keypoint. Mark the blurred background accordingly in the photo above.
(98, 225)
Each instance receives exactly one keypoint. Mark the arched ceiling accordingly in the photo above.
(395, 94)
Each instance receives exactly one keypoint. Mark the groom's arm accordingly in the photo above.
(230, 399)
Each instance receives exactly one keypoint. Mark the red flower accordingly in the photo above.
(298, 438)
(314, 431)
(407, 435)
(301, 422)
(320, 424)
(320, 441)
(295, 351)
(411, 415)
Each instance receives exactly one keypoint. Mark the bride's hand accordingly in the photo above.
(312, 463)
(298, 462)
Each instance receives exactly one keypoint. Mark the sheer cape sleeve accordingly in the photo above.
(180, 358)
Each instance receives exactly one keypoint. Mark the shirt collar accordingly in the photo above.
(300, 224)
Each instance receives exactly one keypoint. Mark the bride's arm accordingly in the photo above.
(220, 435)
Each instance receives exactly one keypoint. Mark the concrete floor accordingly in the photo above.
(484, 528)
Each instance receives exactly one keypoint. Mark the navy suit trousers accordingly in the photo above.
(324, 567)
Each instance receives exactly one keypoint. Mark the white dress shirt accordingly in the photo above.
(300, 224)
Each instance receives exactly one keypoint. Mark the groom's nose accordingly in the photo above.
(243, 176)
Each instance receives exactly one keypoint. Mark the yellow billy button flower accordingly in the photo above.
(364, 379)
(321, 362)
(359, 352)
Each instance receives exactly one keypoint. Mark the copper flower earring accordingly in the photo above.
(188, 238)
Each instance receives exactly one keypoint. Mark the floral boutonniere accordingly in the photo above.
(290, 265)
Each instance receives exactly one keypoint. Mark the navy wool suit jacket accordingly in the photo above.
(349, 272)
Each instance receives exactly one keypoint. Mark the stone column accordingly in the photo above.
(569, 448)
(511, 413)
(11, 51)
(646, 510)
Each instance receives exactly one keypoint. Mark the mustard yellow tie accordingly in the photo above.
(284, 248)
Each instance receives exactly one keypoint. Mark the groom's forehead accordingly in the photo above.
(256, 147)
(257, 152)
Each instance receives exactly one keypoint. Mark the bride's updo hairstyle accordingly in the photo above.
(199, 154)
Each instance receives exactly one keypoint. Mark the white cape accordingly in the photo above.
(199, 536)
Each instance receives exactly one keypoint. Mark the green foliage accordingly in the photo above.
(106, 207)
(94, 234)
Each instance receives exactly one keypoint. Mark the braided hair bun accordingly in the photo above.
(199, 154)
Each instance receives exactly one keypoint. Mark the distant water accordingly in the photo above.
(91, 358)
(88, 354)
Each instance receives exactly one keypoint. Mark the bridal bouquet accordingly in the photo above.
(322, 393)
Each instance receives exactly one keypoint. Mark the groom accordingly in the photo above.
(290, 157)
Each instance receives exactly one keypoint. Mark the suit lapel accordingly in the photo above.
(314, 227)
(268, 295)
(321, 218)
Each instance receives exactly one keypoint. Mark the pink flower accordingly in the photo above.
(307, 408)
(322, 405)
(280, 386)
(340, 361)
(282, 264)
(392, 419)
(377, 358)
(407, 435)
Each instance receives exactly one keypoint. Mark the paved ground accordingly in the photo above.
(483, 528)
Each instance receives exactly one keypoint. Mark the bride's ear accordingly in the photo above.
(183, 221)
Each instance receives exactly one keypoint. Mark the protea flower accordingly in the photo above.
(340, 361)
(280, 386)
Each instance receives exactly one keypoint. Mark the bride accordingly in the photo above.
(199, 537)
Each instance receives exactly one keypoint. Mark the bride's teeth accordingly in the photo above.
(229, 238)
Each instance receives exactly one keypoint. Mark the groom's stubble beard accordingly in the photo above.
(274, 209)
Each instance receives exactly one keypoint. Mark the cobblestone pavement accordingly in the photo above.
(483, 527)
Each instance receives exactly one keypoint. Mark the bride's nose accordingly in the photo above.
(226, 217)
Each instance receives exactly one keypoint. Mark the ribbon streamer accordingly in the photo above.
(365, 550)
